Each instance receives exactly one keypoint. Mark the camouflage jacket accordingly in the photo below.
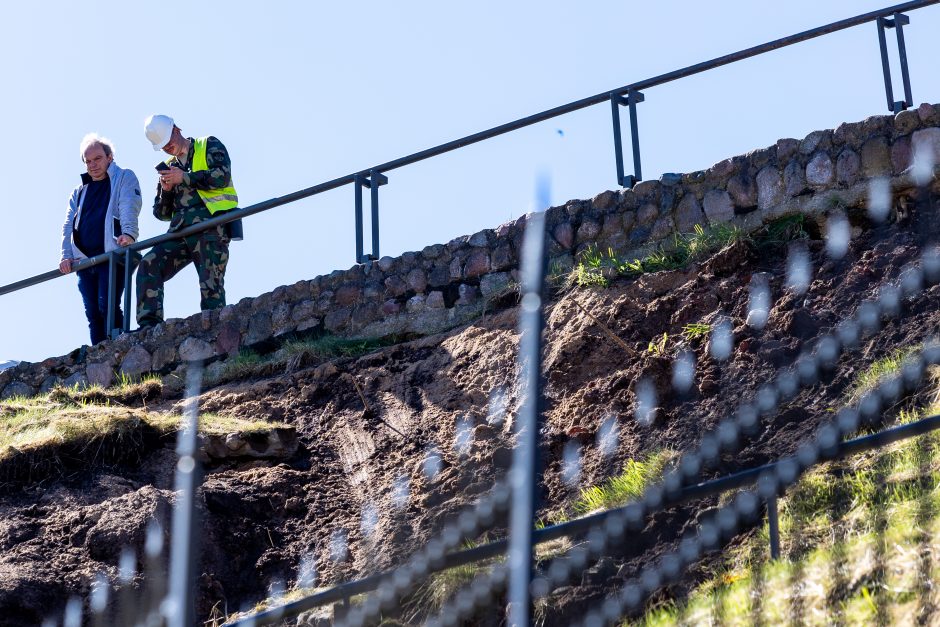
(182, 206)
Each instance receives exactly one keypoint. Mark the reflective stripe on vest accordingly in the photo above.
(216, 199)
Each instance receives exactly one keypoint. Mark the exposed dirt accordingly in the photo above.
(261, 519)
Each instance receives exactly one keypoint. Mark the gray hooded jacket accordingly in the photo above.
(123, 208)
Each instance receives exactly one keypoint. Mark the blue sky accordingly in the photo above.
(305, 92)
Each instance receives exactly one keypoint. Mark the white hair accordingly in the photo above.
(93, 139)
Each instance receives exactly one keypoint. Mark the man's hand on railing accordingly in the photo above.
(65, 266)
(124, 240)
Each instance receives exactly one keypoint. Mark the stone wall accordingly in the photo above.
(447, 284)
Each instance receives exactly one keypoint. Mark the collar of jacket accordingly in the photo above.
(113, 169)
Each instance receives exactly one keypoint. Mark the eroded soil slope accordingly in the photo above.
(396, 442)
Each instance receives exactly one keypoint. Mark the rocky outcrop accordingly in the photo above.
(444, 285)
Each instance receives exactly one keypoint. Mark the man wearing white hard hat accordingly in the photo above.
(195, 185)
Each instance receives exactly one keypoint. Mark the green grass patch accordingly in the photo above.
(629, 485)
(781, 231)
(38, 422)
(595, 268)
(879, 370)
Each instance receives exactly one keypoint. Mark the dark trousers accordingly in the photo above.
(93, 284)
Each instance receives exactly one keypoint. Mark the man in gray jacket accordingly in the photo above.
(102, 217)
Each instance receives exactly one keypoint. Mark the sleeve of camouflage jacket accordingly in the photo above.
(163, 205)
(219, 174)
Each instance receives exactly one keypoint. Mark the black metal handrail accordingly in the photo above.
(627, 95)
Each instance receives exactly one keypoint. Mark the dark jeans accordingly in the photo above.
(93, 284)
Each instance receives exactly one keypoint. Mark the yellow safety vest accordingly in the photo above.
(216, 199)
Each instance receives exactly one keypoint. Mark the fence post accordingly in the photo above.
(525, 462)
(773, 522)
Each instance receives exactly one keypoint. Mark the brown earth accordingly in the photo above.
(262, 519)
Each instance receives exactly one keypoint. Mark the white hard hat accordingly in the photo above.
(159, 129)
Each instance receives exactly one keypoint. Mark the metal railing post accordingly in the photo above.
(615, 101)
(630, 101)
(773, 523)
(634, 97)
(129, 260)
(359, 183)
(110, 330)
(900, 21)
(376, 179)
(896, 22)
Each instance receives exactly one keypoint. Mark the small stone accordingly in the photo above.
(793, 180)
(564, 235)
(906, 122)
(391, 307)
(477, 263)
(817, 140)
(259, 330)
(416, 303)
(929, 114)
(847, 167)
(670, 179)
(166, 353)
(281, 319)
(48, 383)
(303, 310)
(613, 224)
(100, 374)
(364, 314)
(588, 231)
(647, 190)
(435, 300)
(494, 283)
(417, 280)
(481, 239)
(689, 214)
(786, 148)
(848, 133)
(604, 200)
(395, 286)
(721, 170)
(901, 154)
(627, 200)
(336, 319)
(456, 268)
(663, 227)
(385, 263)
(76, 380)
(195, 349)
(819, 170)
(17, 388)
(503, 258)
(718, 206)
(743, 191)
(629, 219)
(348, 294)
(927, 141)
(432, 252)
(647, 214)
(136, 362)
(876, 157)
(439, 276)
(769, 188)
